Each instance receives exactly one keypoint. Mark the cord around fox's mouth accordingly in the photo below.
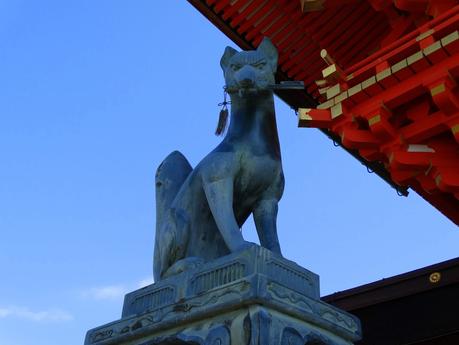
(239, 89)
(245, 91)
(284, 85)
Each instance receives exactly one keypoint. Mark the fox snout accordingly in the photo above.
(245, 77)
(246, 83)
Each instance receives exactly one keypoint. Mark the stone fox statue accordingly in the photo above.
(200, 211)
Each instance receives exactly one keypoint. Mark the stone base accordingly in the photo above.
(254, 297)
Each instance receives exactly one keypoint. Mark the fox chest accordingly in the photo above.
(256, 174)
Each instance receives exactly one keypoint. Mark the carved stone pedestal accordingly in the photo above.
(249, 298)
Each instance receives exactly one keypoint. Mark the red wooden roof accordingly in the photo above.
(358, 36)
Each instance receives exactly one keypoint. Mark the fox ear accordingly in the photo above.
(270, 51)
(229, 52)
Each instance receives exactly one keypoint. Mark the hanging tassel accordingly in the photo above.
(223, 117)
(222, 120)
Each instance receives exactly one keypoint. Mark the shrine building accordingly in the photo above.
(380, 81)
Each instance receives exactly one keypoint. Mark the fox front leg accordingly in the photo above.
(265, 217)
(219, 194)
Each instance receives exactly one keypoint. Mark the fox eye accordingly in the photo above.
(260, 65)
(235, 67)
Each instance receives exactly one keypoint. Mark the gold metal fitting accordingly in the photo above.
(435, 277)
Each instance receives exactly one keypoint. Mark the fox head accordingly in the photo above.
(249, 71)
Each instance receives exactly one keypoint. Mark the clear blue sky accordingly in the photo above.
(93, 95)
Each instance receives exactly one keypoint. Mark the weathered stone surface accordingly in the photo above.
(199, 212)
(212, 287)
(251, 297)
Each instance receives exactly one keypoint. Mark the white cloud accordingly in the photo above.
(113, 292)
(109, 292)
(145, 282)
(27, 314)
